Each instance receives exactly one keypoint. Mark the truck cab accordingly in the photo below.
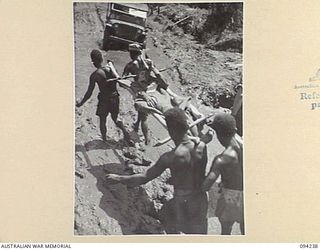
(125, 24)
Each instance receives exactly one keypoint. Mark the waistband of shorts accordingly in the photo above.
(231, 190)
(182, 192)
(104, 96)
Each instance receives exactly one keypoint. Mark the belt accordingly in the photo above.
(182, 192)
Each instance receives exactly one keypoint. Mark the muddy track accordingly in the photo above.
(117, 210)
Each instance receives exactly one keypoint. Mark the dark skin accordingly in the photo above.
(99, 77)
(229, 158)
(174, 160)
(133, 68)
(177, 161)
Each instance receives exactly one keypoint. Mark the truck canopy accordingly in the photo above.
(137, 6)
(134, 9)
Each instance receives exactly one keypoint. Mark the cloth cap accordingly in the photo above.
(135, 47)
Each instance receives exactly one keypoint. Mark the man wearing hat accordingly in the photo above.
(229, 165)
(143, 82)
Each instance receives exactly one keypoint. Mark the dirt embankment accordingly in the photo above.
(207, 64)
(112, 210)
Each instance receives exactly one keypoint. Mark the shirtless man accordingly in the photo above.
(143, 82)
(108, 98)
(187, 211)
(229, 165)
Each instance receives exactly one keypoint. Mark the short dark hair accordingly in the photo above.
(96, 56)
(176, 119)
(224, 125)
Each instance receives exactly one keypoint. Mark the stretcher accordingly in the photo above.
(125, 83)
(196, 122)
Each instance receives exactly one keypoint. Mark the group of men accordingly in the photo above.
(187, 211)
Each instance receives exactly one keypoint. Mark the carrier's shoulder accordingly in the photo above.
(199, 146)
(101, 72)
(227, 157)
(133, 63)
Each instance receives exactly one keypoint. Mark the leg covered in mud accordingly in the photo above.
(143, 109)
(119, 124)
(103, 127)
(142, 119)
(144, 126)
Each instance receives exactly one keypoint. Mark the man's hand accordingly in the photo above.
(207, 137)
(112, 179)
(150, 101)
(147, 98)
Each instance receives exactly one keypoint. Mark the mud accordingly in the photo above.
(118, 210)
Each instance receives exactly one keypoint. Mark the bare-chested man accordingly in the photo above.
(187, 211)
(108, 98)
(229, 165)
(143, 82)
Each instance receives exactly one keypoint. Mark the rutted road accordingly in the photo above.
(101, 209)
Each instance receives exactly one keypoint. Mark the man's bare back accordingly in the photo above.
(108, 98)
(188, 165)
(100, 76)
(187, 211)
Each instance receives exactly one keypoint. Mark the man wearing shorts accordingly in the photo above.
(229, 165)
(143, 82)
(187, 211)
(108, 98)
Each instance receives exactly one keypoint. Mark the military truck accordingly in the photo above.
(125, 24)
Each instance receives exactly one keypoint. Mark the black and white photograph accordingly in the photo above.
(158, 119)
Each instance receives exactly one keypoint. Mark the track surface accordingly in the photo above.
(118, 210)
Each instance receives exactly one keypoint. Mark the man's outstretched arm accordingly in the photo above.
(88, 93)
(139, 179)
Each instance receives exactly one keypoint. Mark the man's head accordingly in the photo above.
(135, 50)
(96, 58)
(177, 124)
(225, 127)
